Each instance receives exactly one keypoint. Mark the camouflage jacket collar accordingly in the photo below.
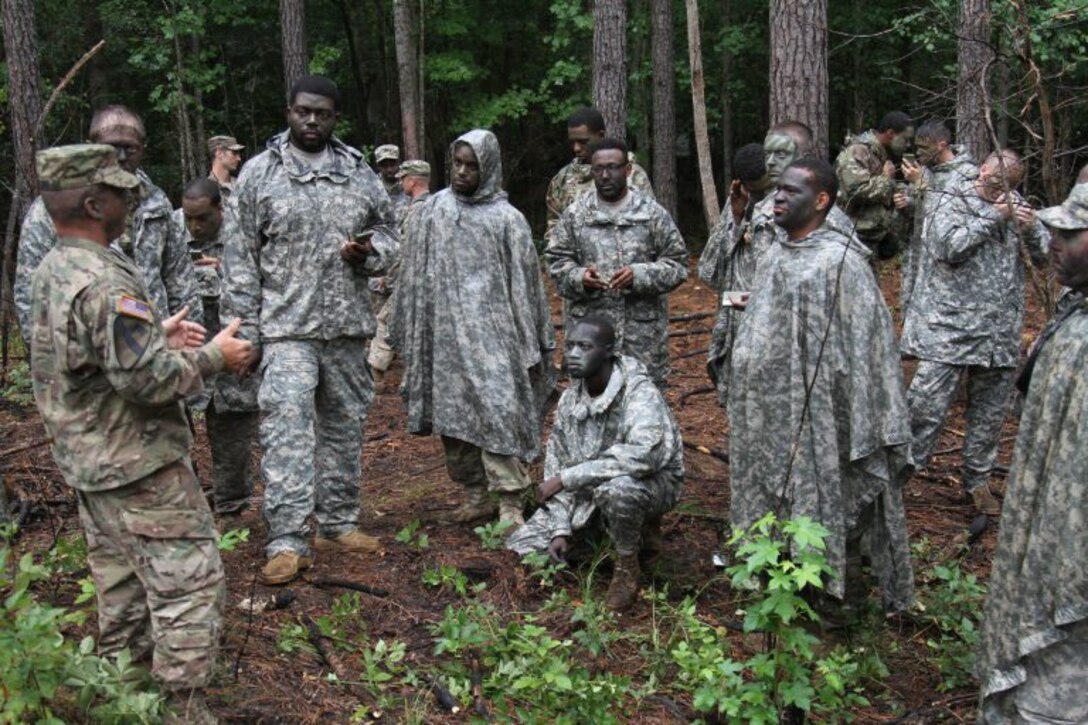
(637, 211)
(151, 201)
(339, 166)
(869, 139)
(961, 162)
(586, 405)
(827, 233)
(81, 243)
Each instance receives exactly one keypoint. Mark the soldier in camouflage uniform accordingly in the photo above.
(575, 180)
(615, 449)
(414, 177)
(474, 328)
(231, 412)
(314, 230)
(817, 404)
(965, 317)
(1034, 641)
(867, 183)
(618, 253)
(935, 178)
(226, 154)
(109, 378)
(149, 239)
(387, 158)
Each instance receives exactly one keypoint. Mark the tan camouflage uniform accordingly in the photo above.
(619, 454)
(865, 194)
(639, 234)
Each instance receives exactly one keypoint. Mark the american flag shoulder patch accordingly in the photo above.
(132, 307)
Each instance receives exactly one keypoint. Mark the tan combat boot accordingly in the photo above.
(511, 510)
(355, 541)
(477, 507)
(284, 567)
(623, 589)
(984, 501)
(187, 707)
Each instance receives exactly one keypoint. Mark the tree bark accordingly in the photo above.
(727, 102)
(610, 64)
(296, 59)
(975, 56)
(664, 117)
(711, 210)
(21, 46)
(407, 49)
(799, 89)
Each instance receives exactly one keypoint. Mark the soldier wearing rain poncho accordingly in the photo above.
(475, 331)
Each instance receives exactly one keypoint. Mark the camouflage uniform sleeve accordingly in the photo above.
(563, 258)
(962, 230)
(857, 184)
(179, 274)
(640, 448)
(131, 348)
(35, 240)
(670, 269)
(722, 239)
(640, 180)
(242, 273)
(1035, 238)
(553, 201)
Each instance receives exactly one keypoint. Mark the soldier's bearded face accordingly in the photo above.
(585, 353)
(610, 168)
(779, 150)
(929, 151)
(1069, 257)
(203, 219)
(580, 137)
(795, 200)
(311, 119)
(466, 170)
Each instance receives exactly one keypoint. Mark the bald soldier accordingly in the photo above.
(109, 379)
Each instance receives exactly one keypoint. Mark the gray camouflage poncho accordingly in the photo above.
(1039, 580)
(817, 320)
(473, 319)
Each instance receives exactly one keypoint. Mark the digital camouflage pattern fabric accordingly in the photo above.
(310, 311)
(620, 453)
(641, 235)
(865, 194)
(817, 405)
(473, 319)
(575, 180)
(1034, 642)
(150, 240)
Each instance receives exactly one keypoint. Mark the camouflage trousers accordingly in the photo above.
(474, 467)
(159, 580)
(231, 436)
(625, 504)
(381, 354)
(1053, 692)
(314, 398)
(930, 396)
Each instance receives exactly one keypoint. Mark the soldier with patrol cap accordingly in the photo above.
(226, 155)
(110, 376)
(387, 157)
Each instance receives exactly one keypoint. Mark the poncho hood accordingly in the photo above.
(486, 147)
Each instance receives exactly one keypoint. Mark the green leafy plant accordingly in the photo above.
(493, 535)
(230, 540)
(447, 576)
(411, 535)
(19, 389)
(952, 601)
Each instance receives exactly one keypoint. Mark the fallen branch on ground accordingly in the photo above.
(696, 391)
(324, 582)
(720, 455)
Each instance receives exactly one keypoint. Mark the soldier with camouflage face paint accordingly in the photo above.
(574, 180)
(474, 327)
(867, 186)
(109, 378)
(1034, 642)
(315, 227)
(966, 314)
(618, 253)
(615, 450)
(149, 237)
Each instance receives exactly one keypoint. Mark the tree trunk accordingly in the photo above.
(799, 66)
(610, 64)
(293, 39)
(698, 101)
(664, 117)
(727, 102)
(25, 104)
(975, 56)
(407, 49)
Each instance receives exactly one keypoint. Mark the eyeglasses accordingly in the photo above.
(599, 169)
(320, 114)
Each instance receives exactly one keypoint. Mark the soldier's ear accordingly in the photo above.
(91, 205)
(823, 201)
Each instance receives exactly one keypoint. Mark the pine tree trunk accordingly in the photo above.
(411, 111)
(25, 105)
(296, 59)
(711, 210)
(975, 56)
(664, 118)
(799, 89)
(727, 102)
(610, 64)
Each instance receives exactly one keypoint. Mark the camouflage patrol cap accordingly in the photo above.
(386, 152)
(225, 142)
(414, 167)
(1071, 214)
(74, 167)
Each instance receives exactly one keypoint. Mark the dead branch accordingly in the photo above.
(692, 353)
(324, 582)
(696, 391)
(68, 77)
(720, 455)
(26, 447)
(685, 333)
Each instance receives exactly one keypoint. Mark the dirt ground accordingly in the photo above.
(404, 480)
